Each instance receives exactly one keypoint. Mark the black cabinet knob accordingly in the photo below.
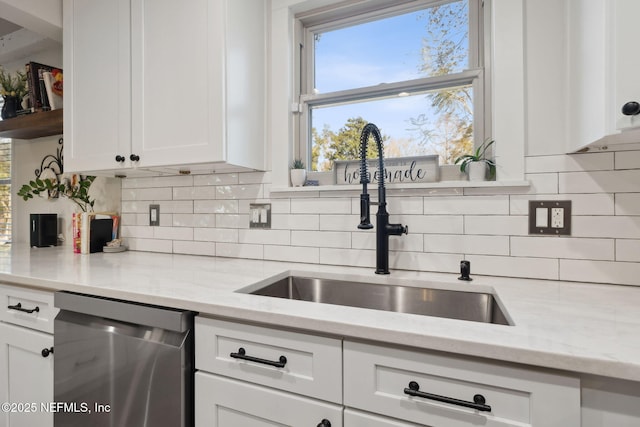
(631, 108)
(324, 423)
(134, 158)
(47, 351)
(120, 158)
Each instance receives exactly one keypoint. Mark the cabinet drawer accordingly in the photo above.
(353, 418)
(223, 402)
(313, 365)
(27, 307)
(377, 379)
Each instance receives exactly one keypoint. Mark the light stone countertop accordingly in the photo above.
(585, 328)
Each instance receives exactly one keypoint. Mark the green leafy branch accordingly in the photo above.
(79, 194)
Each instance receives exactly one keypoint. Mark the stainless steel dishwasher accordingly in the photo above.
(121, 364)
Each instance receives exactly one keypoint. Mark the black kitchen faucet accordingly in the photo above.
(383, 228)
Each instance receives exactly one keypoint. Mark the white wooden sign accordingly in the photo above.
(396, 170)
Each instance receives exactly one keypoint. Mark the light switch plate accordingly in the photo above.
(550, 217)
(260, 215)
(154, 215)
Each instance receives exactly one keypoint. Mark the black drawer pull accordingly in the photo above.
(324, 423)
(242, 354)
(478, 400)
(47, 351)
(18, 307)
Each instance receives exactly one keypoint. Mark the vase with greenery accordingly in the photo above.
(476, 163)
(298, 173)
(75, 189)
(13, 89)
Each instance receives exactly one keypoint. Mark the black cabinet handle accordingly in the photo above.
(120, 158)
(631, 108)
(18, 307)
(242, 354)
(324, 423)
(134, 157)
(47, 351)
(478, 400)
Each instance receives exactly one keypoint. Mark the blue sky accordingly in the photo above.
(383, 51)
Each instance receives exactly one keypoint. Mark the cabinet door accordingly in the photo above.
(223, 402)
(177, 80)
(626, 59)
(354, 418)
(97, 99)
(26, 377)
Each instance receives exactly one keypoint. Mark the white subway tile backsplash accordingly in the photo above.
(215, 206)
(265, 237)
(173, 233)
(572, 163)
(192, 220)
(510, 266)
(515, 225)
(194, 193)
(322, 206)
(623, 273)
(624, 227)
(235, 250)
(628, 250)
(618, 181)
(460, 205)
(467, 244)
(295, 222)
(562, 247)
(628, 203)
(194, 248)
(488, 225)
(627, 160)
(292, 254)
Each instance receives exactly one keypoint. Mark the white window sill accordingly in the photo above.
(430, 188)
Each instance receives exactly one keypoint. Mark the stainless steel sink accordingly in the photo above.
(454, 304)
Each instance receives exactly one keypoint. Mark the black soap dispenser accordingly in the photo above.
(465, 270)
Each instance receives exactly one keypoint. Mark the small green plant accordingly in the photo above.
(11, 85)
(297, 164)
(478, 156)
(77, 192)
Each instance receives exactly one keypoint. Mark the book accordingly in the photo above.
(96, 229)
(37, 91)
(55, 100)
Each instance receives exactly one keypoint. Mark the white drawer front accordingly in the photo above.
(377, 379)
(313, 364)
(353, 418)
(223, 402)
(27, 307)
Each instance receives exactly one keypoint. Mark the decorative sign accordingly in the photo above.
(396, 170)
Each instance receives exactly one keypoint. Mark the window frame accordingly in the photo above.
(307, 26)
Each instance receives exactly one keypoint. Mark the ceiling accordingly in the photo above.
(7, 27)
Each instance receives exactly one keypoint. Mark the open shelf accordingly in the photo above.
(35, 125)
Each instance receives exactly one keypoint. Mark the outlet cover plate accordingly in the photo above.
(154, 215)
(260, 215)
(549, 208)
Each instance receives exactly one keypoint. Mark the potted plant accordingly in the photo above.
(298, 173)
(13, 89)
(75, 189)
(476, 164)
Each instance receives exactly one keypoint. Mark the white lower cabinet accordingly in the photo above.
(254, 376)
(26, 357)
(441, 390)
(224, 402)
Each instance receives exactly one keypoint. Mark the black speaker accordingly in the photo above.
(44, 230)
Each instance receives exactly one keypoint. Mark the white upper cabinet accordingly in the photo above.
(602, 76)
(162, 86)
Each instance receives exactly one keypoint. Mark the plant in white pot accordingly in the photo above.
(476, 164)
(298, 173)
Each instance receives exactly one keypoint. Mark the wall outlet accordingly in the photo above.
(550, 217)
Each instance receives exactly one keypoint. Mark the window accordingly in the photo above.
(5, 191)
(415, 70)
